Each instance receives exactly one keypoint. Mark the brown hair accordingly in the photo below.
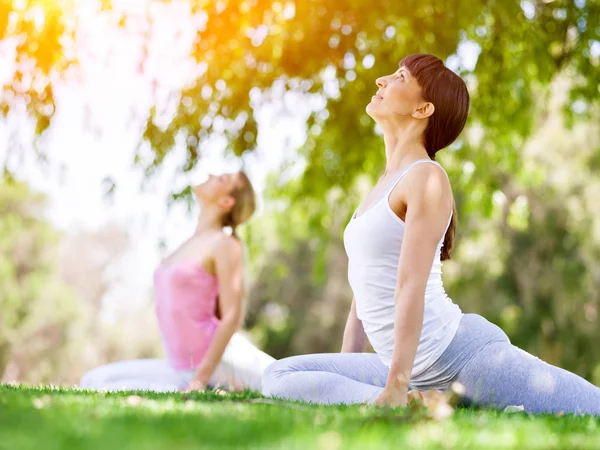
(243, 208)
(450, 97)
(245, 203)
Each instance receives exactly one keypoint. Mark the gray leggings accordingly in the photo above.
(493, 372)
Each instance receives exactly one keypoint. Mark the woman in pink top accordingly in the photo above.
(198, 293)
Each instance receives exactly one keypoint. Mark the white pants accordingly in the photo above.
(241, 367)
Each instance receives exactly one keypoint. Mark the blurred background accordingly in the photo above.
(110, 109)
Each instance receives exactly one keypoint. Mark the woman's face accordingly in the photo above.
(217, 190)
(399, 94)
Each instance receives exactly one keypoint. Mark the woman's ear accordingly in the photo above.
(424, 111)
(226, 202)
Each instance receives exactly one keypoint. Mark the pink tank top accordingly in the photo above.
(185, 298)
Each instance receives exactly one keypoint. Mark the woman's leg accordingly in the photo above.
(147, 374)
(501, 374)
(241, 366)
(329, 378)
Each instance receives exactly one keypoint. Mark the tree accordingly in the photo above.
(38, 33)
(37, 309)
(333, 49)
(130, 333)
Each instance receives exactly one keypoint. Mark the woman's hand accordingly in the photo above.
(392, 398)
(195, 385)
(426, 398)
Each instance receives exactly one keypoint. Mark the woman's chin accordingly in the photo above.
(371, 110)
(197, 193)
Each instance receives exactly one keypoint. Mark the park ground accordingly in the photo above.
(52, 418)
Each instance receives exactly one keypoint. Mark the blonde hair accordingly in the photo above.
(244, 206)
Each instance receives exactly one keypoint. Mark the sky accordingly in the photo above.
(93, 137)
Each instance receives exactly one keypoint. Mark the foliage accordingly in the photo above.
(334, 49)
(37, 33)
(37, 309)
(103, 332)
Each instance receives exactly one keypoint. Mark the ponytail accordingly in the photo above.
(448, 246)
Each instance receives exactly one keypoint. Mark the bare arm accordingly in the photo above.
(355, 338)
(428, 198)
(229, 268)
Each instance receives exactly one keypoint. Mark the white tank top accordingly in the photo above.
(373, 241)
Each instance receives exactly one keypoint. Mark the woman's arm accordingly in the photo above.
(355, 339)
(230, 277)
(429, 201)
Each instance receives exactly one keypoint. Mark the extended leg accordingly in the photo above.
(330, 378)
(501, 374)
(147, 374)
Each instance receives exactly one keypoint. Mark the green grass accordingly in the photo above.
(52, 418)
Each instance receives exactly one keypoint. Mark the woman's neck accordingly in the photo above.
(208, 221)
(402, 147)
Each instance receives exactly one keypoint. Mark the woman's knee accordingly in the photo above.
(89, 380)
(273, 375)
(269, 379)
(97, 377)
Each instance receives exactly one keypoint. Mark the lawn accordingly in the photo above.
(52, 418)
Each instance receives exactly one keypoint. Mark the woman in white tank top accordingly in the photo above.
(396, 242)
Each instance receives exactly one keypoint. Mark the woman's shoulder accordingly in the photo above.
(429, 168)
(428, 176)
(426, 184)
(227, 244)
